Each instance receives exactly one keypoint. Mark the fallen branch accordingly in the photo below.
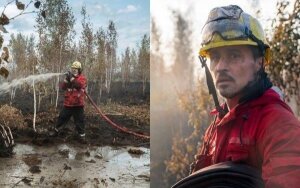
(6, 141)
(5, 137)
(21, 177)
(11, 136)
(25, 180)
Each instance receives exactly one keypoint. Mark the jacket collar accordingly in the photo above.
(270, 96)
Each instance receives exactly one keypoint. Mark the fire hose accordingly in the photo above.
(223, 175)
(121, 128)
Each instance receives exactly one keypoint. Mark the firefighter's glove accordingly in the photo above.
(68, 76)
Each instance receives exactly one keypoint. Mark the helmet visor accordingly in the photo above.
(228, 29)
(226, 22)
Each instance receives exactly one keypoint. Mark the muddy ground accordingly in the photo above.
(107, 157)
(69, 165)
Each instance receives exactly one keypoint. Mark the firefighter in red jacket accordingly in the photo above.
(74, 85)
(254, 126)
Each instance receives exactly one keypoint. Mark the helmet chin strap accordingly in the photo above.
(211, 86)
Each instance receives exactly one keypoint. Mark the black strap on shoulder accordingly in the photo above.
(211, 86)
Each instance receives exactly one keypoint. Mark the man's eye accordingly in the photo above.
(214, 58)
(234, 56)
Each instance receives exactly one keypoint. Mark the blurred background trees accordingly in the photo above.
(180, 103)
(284, 70)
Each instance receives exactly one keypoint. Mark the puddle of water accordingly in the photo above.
(68, 165)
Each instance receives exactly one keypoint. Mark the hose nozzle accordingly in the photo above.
(67, 73)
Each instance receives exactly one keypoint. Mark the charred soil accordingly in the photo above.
(99, 132)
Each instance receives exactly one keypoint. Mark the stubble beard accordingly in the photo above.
(228, 92)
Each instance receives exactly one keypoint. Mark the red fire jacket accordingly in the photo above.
(74, 95)
(262, 133)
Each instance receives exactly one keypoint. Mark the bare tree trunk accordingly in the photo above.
(144, 87)
(34, 106)
(59, 70)
(12, 95)
(87, 88)
(57, 92)
(53, 88)
(100, 90)
(106, 78)
(110, 74)
(39, 103)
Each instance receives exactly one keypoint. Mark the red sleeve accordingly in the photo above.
(80, 82)
(279, 147)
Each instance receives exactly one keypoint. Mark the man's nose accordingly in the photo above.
(222, 65)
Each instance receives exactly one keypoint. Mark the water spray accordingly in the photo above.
(5, 87)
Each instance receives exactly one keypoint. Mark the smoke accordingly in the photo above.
(5, 87)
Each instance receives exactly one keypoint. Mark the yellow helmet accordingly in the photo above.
(229, 26)
(76, 65)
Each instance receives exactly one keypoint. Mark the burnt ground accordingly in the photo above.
(134, 116)
(98, 131)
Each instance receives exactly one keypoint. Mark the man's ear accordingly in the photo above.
(258, 63)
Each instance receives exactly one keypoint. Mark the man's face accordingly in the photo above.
(233, 68)
(74, 71)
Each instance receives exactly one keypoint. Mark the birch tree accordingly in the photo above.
(125, 68)
(133, 65)
(111, 47)
(144, 62)
(87, 44)
(100, 38)
(56, 32)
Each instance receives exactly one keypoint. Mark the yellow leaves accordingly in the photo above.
(189, 148)
(197, 103)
